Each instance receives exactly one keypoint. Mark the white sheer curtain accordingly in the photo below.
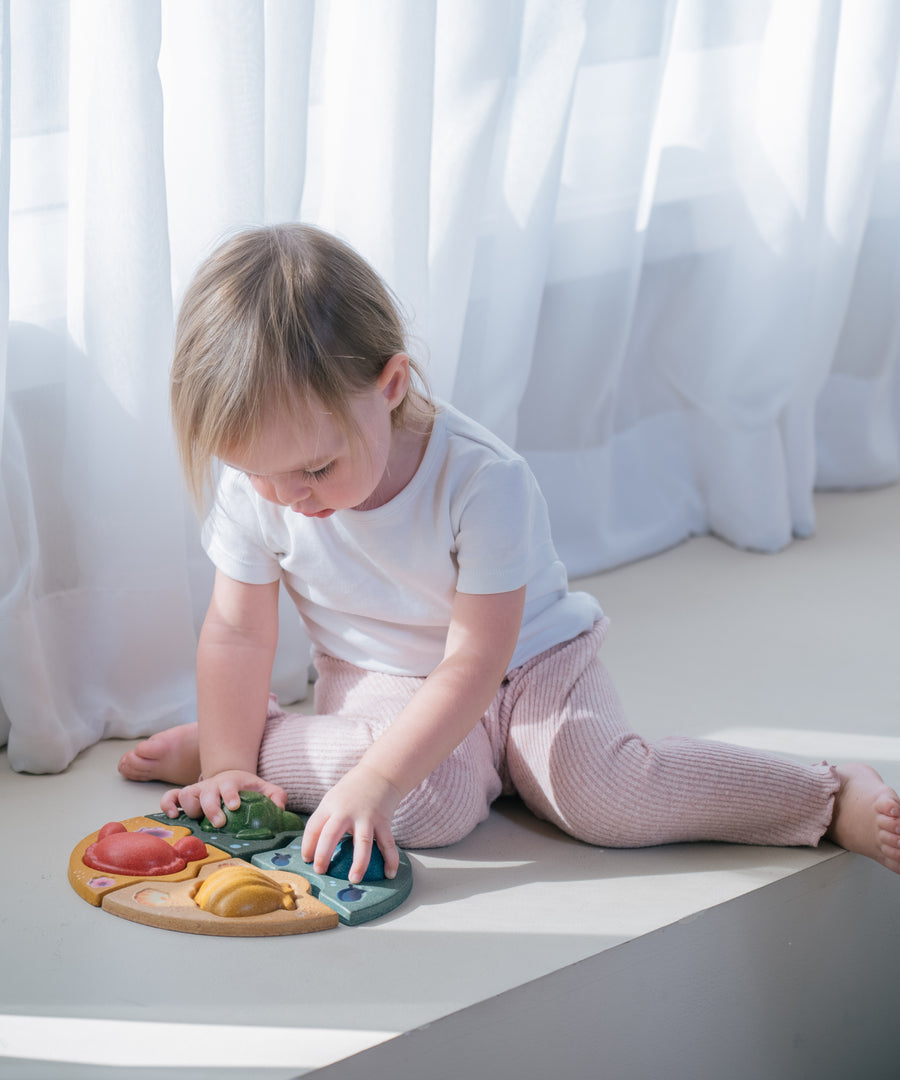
(655, 245)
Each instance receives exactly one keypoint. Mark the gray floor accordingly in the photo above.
(795, 652)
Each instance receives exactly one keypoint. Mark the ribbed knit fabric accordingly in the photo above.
(307, 755)
(555, 734)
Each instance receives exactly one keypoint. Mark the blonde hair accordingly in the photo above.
(283, 313)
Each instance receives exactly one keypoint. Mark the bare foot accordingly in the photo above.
(866, 816)
(172, 756)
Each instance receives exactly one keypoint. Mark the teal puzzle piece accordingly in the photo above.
(354, 904)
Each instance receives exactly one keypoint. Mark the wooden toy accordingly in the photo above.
(160, 871)
(180, 905)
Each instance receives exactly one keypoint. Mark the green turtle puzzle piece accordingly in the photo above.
(257, 818)
(258, 825)
(373, 897)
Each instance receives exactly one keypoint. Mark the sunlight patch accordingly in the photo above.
(125, 1042)
(834, 746)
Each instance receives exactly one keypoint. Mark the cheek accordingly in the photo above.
(348, 476)
(336, 488)
(263, 488)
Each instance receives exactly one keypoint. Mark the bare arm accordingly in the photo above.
(480, 642)
(234, 667)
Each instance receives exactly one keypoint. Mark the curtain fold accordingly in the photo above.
(8, 573)
(655, 246)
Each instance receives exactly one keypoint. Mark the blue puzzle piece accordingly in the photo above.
(354, 904)
(342, 860)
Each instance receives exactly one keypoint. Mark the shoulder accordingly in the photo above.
(235, 502)
(240, 516)
(481, 464)
(466, 435)
(499, 515)
(476, 461)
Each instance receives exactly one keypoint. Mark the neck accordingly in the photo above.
(408, 446)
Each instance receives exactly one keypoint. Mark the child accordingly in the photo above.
(454, 664)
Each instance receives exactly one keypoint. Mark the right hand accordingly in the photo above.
(362, 803)
(207, 795)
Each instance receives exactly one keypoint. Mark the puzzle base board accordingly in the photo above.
(170, 906)
(166, 901)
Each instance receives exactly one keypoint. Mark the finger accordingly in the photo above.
(277, 794)
(329, 839)
(169, 803)
(228, 794)
(390, 852)
(310, 838)
(362, 853)
(190, 803)
(211, 805)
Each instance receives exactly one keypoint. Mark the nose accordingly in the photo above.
(291, 489)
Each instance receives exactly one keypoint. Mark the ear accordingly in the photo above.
(393, 382)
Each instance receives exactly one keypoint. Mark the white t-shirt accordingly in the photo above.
(375, 587)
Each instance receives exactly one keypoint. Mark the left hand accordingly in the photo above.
(208, 795)
(361, 803)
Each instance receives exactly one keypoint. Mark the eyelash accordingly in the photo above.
(320, 474)
(317, 474)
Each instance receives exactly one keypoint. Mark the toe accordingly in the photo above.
(135, 765)
(892, 862)
(888, 826)
(128, 767)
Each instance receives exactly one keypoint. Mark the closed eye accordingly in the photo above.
(319, 474)
(308, 474)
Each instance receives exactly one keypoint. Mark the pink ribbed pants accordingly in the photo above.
(556, 735)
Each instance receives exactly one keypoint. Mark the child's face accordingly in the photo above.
(305, 460)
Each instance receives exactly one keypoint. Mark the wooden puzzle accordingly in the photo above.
(246, 879)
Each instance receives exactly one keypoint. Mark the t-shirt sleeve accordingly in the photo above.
(233, 535)
(503, 532)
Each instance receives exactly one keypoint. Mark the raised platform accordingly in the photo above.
(522, 953)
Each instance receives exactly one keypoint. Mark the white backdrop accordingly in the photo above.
(655, 245)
